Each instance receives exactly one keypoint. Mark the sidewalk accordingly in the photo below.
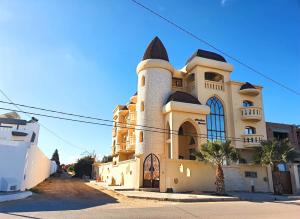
(260, 196)
(14, 196)
(176, 197)
(184, 197)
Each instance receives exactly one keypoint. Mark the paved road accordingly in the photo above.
(71, 198)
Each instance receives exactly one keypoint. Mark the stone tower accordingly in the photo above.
(154, 87)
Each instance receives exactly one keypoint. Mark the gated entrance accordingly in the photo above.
(282, 179)
(151, 171)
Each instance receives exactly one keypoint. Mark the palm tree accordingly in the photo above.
(273, 153)
(218, 153)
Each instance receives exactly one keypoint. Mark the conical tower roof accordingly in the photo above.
(156, 50)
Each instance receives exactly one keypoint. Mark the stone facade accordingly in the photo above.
(175, 111)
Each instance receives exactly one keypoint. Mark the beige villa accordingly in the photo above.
(175, 111)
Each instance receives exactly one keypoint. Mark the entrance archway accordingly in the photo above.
(151, 172)
(187, 141)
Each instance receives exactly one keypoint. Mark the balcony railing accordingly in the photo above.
(214, 85)
(120, 147)
(251, 113)
(131, 119)
(130, 145)
(114, 131)
(122, 126)
(252, 140)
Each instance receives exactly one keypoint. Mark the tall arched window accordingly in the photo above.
(215, 121)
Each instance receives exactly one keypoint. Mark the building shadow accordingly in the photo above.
(67, 194)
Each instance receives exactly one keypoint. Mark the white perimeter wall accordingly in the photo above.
(37, 168)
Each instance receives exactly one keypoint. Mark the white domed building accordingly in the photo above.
(173, 112)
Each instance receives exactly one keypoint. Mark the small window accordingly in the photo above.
(250, 130)
(169, 151)
(142, 106)
(250, 174)
(177, 82)
(141, 137)
(124, 138)
(143, 81)
(191, 77)
(33, 137)
(247, 103)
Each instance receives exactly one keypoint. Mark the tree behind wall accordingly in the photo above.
(55, 157)
(218, 153)
(273, 153)
(84, 166)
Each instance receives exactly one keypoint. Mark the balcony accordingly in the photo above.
(214, 85)
(250, 92)
(122, 127)
(114, 131)
(131, 120)
(251, 113)
(130, 145)
(120, 148)
(252, 140)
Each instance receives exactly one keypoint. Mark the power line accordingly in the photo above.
(73, 114)
(214, 47)
(110, 125)
(43, 126)
(93, 118)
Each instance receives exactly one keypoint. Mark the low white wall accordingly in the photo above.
(37, 168)
(125, 173)
(186, 175)
(235, 179)
(53, 167)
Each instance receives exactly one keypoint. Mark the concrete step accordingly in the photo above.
(149, 189)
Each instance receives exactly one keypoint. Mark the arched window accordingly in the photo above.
(247, 103)
(249, 130)
(141, 137)
(215, 121)
(142, 106)
(143, 81)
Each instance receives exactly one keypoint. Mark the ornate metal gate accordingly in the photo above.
(151, 171)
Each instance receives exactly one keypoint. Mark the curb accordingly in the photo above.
(185, 199)
(15, 196)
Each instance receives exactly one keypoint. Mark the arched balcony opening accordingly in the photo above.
(188, 142)
(247, 103)
(212, 76)
(214, 81)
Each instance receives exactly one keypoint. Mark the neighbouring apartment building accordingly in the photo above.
(283, 131)
(22, 164)
(291, 172)
(172, 113)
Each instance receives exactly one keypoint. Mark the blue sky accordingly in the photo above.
(81, 56)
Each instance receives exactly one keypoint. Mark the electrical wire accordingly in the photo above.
(214, 47)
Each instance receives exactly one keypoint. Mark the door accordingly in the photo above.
(151, 171)
(282, 179)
